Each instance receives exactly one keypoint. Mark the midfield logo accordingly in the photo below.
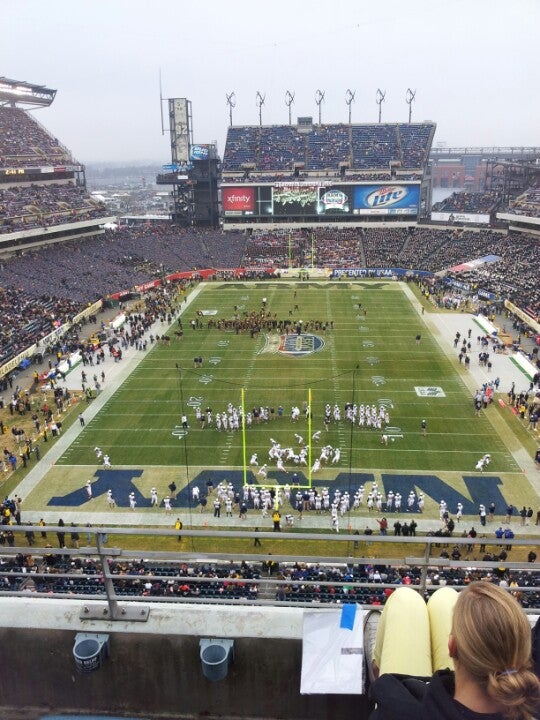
(300, 345)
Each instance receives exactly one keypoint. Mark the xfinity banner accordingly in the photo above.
(386, 199)
(238, 200)
(455, 217)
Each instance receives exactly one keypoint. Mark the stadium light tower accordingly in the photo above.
(319, 99)
(259, 101)
(289, 99)
(379, 99)
(409, 97)
(349, 99)
(231, 102)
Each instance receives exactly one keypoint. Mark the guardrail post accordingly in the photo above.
(114, 610)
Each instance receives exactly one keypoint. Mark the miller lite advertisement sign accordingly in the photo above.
(387, 199)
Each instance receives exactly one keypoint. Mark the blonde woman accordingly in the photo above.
(476, 642)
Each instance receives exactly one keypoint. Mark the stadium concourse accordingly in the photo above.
(443, 326)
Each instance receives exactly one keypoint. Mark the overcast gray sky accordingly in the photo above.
(475, 65)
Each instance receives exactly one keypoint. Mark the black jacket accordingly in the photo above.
(399, 697)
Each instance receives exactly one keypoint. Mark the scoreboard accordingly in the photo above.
(305, 200)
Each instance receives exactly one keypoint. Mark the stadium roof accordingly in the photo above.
(17, 92)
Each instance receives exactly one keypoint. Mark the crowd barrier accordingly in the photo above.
(122, 575)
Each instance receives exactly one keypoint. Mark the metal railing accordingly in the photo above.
(120, 577)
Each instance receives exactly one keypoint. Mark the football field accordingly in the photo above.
(259, 350)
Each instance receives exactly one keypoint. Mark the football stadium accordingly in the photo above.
(307, 345)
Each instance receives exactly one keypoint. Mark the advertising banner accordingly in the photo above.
(238, 200)
(199, 152)
(373, 272)
(335, 200)
(295, 199)
(455, 217)
(305, 200)
(386, 199)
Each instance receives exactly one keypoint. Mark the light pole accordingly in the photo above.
(410, 96)
(379, 99)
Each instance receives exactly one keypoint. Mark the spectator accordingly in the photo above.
(482, 633)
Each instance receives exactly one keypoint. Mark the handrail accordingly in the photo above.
(109, 581)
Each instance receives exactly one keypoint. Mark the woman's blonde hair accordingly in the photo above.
(493, 644)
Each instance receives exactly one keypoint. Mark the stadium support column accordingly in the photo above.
(312, 250)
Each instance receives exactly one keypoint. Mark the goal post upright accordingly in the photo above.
(244, 449)
(290, 250)
(309, 438)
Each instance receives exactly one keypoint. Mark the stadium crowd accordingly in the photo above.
(469, 202)
(118, 261)
(30, 206)
(367, 583)
(23, 142)
(512, 276)
(528, 203)
(347, 176)
(279, 148)
(27, 318)
(328, 146)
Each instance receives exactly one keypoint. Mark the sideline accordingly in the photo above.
(117, 373)
(443, 327)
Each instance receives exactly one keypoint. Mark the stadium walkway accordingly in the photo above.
(443, 326)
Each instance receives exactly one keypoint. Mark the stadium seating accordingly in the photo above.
(27, 318)
(102, 265)
(415, 141)
(374, 146)
(361, 147)
(528, 203)
(279, 148)
(25, 143)
(30, 206)
(418, 248)
(327, 146)
(242, 147)
(366, 584)
(466, 202)
(116, 261)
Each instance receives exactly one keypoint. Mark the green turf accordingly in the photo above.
(136, 426)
